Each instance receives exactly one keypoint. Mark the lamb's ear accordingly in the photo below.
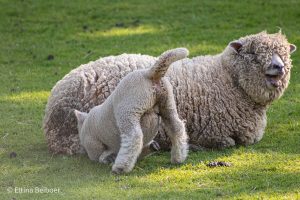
(236, 46)
(293, 48)
(81, 116)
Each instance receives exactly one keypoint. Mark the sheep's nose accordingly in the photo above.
(277, 63)
(277, 66)
(279, 69)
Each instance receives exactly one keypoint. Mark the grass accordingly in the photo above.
(75, 32)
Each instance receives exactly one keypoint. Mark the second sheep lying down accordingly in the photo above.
(223, 97)
(128, 119)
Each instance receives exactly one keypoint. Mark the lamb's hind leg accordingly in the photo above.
(175, 127)
(131, 146)
(176, 131)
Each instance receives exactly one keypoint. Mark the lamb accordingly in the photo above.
(223, 97)
(128, 118)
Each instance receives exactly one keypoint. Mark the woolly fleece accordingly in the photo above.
(223, 98)
(127, 121)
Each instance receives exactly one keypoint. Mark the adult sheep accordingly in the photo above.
(223, 98)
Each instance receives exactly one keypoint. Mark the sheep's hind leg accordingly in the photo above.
(216, 142)
(248, 139)
(195, 148)
(224, 142)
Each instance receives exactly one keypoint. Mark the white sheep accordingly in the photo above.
(128, 119)
(223, 98)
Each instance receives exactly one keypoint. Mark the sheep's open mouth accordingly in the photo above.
(274, 80)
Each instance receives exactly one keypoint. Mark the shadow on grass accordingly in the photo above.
(253, 173)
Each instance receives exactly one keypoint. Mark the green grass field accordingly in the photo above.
(41, 41)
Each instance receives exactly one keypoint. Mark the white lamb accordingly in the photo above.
(129, 118)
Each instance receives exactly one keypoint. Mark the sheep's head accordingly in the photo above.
(80, 116)
(261, 63)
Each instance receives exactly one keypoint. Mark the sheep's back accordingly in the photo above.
(211, 102)
(82, 89)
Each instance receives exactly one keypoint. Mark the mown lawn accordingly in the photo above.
(41, 41)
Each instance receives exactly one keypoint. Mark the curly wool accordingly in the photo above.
(127, 121)
(223, 98)
(82, 89)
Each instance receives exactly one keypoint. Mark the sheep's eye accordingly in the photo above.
(251, 51)
(253, 57)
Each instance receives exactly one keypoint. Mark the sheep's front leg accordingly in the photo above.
(248, 138)
(131, 147)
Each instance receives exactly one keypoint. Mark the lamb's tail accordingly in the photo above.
(161, 66)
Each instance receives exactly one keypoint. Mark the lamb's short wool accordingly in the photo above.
(128, 119)
(223, 98)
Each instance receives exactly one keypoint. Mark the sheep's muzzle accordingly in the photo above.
(275, 72)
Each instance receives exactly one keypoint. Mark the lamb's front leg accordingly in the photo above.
(149, 149)
(108, 156)
(131, 147)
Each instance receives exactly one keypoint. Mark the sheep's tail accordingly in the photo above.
(161, 66)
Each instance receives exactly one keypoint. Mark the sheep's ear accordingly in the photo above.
(293, 48)
(236, 45)
(81, 116)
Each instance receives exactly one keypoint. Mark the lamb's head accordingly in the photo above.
(81, 116)
(261, 65)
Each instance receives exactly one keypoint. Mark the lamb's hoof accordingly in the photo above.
(110, 158)
(177, 161)
(118, 170)
(179, 154)
(154, 146)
